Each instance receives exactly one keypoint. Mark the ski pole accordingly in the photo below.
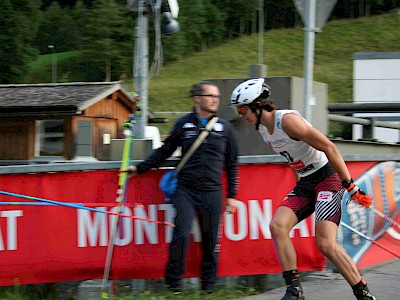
(15, 203)
(369, 239)
(380, 214)
(77, 206)
(121, 198)
(30, 204)
(385, 217)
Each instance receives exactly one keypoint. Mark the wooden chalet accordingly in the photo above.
(65, 121)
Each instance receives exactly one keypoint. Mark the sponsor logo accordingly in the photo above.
(278, 143)
(190, 133)
(298, 165)
(325, 196)
(306, 169)
(188, 125)
(218, 127)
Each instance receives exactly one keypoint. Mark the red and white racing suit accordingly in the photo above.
(319, 188)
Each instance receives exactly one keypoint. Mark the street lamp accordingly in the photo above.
(261, 32)
(53, 64)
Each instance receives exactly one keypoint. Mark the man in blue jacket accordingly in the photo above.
(199, 189)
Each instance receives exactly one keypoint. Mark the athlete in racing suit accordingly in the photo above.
(322, 176)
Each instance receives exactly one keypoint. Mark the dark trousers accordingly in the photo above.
(208, 206)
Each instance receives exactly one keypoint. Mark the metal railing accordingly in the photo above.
(369, 122)
(363, 121)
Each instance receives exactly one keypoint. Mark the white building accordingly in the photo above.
(376, 79)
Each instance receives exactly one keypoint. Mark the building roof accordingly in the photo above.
(61, 98)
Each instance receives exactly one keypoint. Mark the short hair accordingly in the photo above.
(197, 88)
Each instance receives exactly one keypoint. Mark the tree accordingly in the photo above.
(193, 23)
(57, 28)
(78, 14)
(107, 42)
(280, 14)
(18, 21)
(202, 26)
(239, 15)
(215, 19)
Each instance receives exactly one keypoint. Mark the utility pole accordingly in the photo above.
(309, 59)
(141, 67)
(261, 32)
(53, 64)
(167, 26)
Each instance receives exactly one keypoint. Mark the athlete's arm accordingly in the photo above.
(297, 128)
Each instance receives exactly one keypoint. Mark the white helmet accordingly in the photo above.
(248, 91)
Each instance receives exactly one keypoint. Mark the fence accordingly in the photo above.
(370, 122)
(337, 109)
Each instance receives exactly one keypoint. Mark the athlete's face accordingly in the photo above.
(208, 100)
(246, 113)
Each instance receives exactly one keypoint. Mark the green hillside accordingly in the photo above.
(283, 55)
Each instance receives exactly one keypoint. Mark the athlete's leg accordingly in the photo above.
(298, 205)
(327, 215)
(282, 222)
(325, 235)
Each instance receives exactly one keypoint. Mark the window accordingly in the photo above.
(50, 138)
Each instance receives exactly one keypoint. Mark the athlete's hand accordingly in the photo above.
(231, 205)
(359, 195)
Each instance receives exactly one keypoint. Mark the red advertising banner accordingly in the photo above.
(46, 243)
(382, 181)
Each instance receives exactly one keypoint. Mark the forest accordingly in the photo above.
(98, 35)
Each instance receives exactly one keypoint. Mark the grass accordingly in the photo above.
(45, 60)
(283, 55)
(157, 291)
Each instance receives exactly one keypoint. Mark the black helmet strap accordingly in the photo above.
(258, 113)
(256, 107)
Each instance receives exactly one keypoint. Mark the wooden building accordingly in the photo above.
(65, 121)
